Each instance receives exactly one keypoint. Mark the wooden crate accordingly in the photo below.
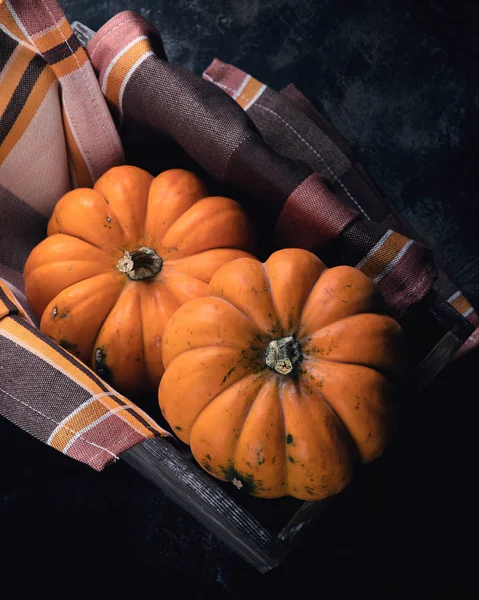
(436, 331)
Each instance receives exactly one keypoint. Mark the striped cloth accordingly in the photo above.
(53, 396)
(55, 133)
(67, 115)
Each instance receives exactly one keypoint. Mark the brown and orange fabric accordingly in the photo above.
(67, 114)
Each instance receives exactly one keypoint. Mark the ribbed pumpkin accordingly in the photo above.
(282, 379)
(120, 258)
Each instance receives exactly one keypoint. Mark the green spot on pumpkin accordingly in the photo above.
(179, 429)
(73, 348)
(242, 481)
(291, 459)
(309, 490)
(101, 367)
(289, 439)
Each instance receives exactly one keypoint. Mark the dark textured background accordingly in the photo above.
(399, 80)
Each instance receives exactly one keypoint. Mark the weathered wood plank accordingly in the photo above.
(459, 329)
(198, 493)
(298, 525)
(436, 360)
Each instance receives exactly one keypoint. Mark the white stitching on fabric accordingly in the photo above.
(56, 423)
(426, 272)
(96, 396)
(77, 410)
(120, 441)
(338, 179)
(102, 125)
(127, 21)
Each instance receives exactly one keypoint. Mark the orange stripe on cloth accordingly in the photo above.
(54, 355)
(53, 36)
(382, 254)
(28, 111)
(80, 374)
(62, 413)
(9, 304)
(72, 63)
(461, 304)
(79, 421)
(92, 413)
(249, 92)
(118, 71)
(81, 174)
(13, 73)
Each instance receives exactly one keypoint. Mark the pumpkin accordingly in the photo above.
(120, 258)
(282, 379)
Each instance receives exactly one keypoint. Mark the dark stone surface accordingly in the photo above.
(399, 80)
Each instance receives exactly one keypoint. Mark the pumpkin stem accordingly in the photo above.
(142, 263)
(283, 355)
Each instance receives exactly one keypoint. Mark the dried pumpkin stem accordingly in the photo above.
(143, 263)
(283, 355)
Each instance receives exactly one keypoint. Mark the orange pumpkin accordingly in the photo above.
(120, 258)
(281, 380)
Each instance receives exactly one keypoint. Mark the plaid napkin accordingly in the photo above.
(67, 115)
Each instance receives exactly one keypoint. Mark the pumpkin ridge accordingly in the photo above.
(112, 210)
(273, 300)
(165, 233)
(237, 382)
(122, 177)
(382, 372)
(95, 344)
(281, 384)
(171, 262)
(229, 206)
(48, 266)
(171, 270)
(174, 269)
(77, 306)
(346, 318)
(238, 310)
(142, 343)
(250, 407)
(77, 282)
(223, 346)
(144, 323)
(327, 272)
(320, 395)
(300, 320)
(293, 324)
(169, 273)
(315, 390)
(79, 237)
